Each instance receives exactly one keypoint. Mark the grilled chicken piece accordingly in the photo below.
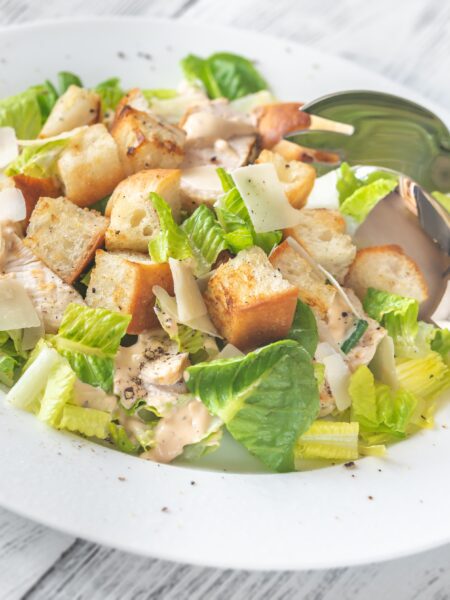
(151, 370)
(49, 294)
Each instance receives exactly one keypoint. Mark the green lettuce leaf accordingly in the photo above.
(23, 113)
(172, 241)
(224, 75)
(266, 399)
(159, 94)
(425, 377)
(382, 413)
(206, 237)
(66, 79)
(110, 92)
(89, 339)
(38, 161)
(441, 343)
(357, 196)
(304, 328)
(12, 356)
(188, 339)
(121, 440)
(8, 367)
(397, 314)
(58, 392)
(330, 440)
(443, 199)
(87, 421)
(235, 220)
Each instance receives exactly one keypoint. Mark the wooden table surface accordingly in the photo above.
(408, 40)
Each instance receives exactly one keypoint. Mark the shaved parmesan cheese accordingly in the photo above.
(383, 363)
(264, 197)
(16, 309)
(337, 374)
(190, 302)
(31, 336)
(230, 351)
(12, 205)
(324, 193)
(323, 272)
(9, 149)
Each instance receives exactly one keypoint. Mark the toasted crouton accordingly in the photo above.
(297, 178)
(389, 269)
(134, 221)
(146, 141)
(321, 233)
(65, 236)
(76, 107)
(123, 282)
(249, 302)
(311, 286)
(89, 167)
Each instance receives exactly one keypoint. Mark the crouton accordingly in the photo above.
(389, 269)
(75, 108)
(146, 141)
(34, 188)
(65, 236)
(90, 168)
(123, 282)
(311, 286)
(274, 121)
(322, 233)
(249, 302)
(134, 221)
(297, 178)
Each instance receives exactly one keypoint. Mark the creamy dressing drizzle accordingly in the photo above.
(186, 424)
(340, 318)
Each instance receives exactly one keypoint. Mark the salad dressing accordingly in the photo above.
(187, 424)
(340, 318)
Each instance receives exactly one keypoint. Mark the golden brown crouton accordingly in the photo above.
(64, 236)
(297, 178)
(389, 269)
(311, 286)
(123, 282)
(146, 141)
(134, 221)
(75, 108)
(249, 302)
(89, 168)
(321, 233)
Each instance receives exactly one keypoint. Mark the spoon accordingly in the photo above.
(389, 131)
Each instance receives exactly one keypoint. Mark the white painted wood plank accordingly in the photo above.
(27, 550)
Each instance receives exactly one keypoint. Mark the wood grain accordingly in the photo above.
(408, 40)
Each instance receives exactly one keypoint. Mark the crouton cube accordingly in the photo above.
(146, 141)
(90, 168)
(297, 178)
(322, 233)
(65, 236)
(249, 302)
(389, 269)
(123, 282)
(311, 286)
(75, 108)
(134, 221)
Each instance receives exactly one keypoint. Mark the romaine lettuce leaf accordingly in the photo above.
(159, 94)
(66, 79)
(110, 92)
(89, 339)
(425, 377)
(188, 339)
(172, 241)
(8, 366)
(443, 199)
(266, 399)
(87, 421)
(206, 237)
(331, 440)
(38, 161)
(224, 75)
(304, 328)
(58, 392)
(382, 413)
(441, 344)
(121, 440)
(12, 356)
(23, 113)
(235, 220)
(357, 196)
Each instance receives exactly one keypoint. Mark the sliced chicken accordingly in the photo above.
(151, 370)
(49, 294)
